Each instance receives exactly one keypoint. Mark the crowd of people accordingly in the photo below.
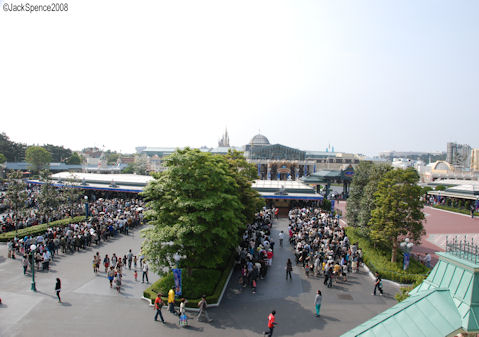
(30, 214)
(256, 249)
(321, 246)
(108, 218)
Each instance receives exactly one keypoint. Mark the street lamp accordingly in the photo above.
(177, 258)
(32, 250)
(406, 246)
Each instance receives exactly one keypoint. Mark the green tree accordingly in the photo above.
(16, 192)
(74, 159)
(244, 174)
(13, 151)
(3, 159)
(440, 188)
(49, 197)
(196, 211)
(368, 200)
(38, 157)
(398, 209)
(58, 153)
(130, 169)
(112, 158)
(361, 198)
(71, 195)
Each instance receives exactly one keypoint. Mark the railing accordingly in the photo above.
(464, 249)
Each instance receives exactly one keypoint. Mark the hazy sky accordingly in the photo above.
(364, 76)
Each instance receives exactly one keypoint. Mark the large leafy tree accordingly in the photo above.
(13, 151)
(74, 159)
(363, 187)
(70, 195)
(368, 199)
(3, 159)
(58, 153)
(196, 211)
(398, 210)
(38, 157)
(16, 192)
(244, 174)
(49, 197)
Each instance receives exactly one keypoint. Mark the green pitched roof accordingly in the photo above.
(445, 304)
(429, 313)
(461, 277)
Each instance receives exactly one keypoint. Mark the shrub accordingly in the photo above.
(404, 291)
(379, 259)
(209, 282)
(39, 229)
(457, 210)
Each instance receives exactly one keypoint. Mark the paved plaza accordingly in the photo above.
(91, 308)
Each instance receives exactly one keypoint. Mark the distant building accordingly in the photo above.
(475, 160)
(459, 155)
(225, 140)
(403, 163)
(273, 161)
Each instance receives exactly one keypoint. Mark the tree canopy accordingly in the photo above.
(16, 192)
(3, 159)
(197, 209)
(74, 159)
(363, 187)
(38, 157)
(398, 210)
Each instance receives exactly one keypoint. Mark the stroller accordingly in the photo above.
(183, 320)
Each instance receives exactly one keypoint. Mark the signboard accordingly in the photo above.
(177, 277)
(406, 260)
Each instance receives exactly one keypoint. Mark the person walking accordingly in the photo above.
(203, 305)
(58, 288)
(158, 306)
(145, 273)
(130, 259)
(25, 264)
(378, 285)
(171, 301)
(271, 324)
(289, 269)
(281, 238)
(317, 302)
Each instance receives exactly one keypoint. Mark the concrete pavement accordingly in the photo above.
(91, 308)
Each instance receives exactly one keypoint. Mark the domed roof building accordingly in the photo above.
(259, 140)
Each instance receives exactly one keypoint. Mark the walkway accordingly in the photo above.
(90, 308)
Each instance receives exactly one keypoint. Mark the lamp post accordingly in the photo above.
(86, 205)
(32, 250)
(177, 258)
(406, 246)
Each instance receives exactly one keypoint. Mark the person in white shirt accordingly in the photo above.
(145, 273)
(281, 237)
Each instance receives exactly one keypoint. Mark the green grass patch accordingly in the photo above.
(209, 282)
(456, 210)
(39, 229)
(379, 259)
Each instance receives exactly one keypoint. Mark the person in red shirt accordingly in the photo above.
(271, 324)
(158, 306)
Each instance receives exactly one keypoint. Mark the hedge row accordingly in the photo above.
(379, 260)
(456, 210)
(39, 229)
(209, 282)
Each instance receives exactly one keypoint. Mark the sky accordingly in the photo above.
(364, 76)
